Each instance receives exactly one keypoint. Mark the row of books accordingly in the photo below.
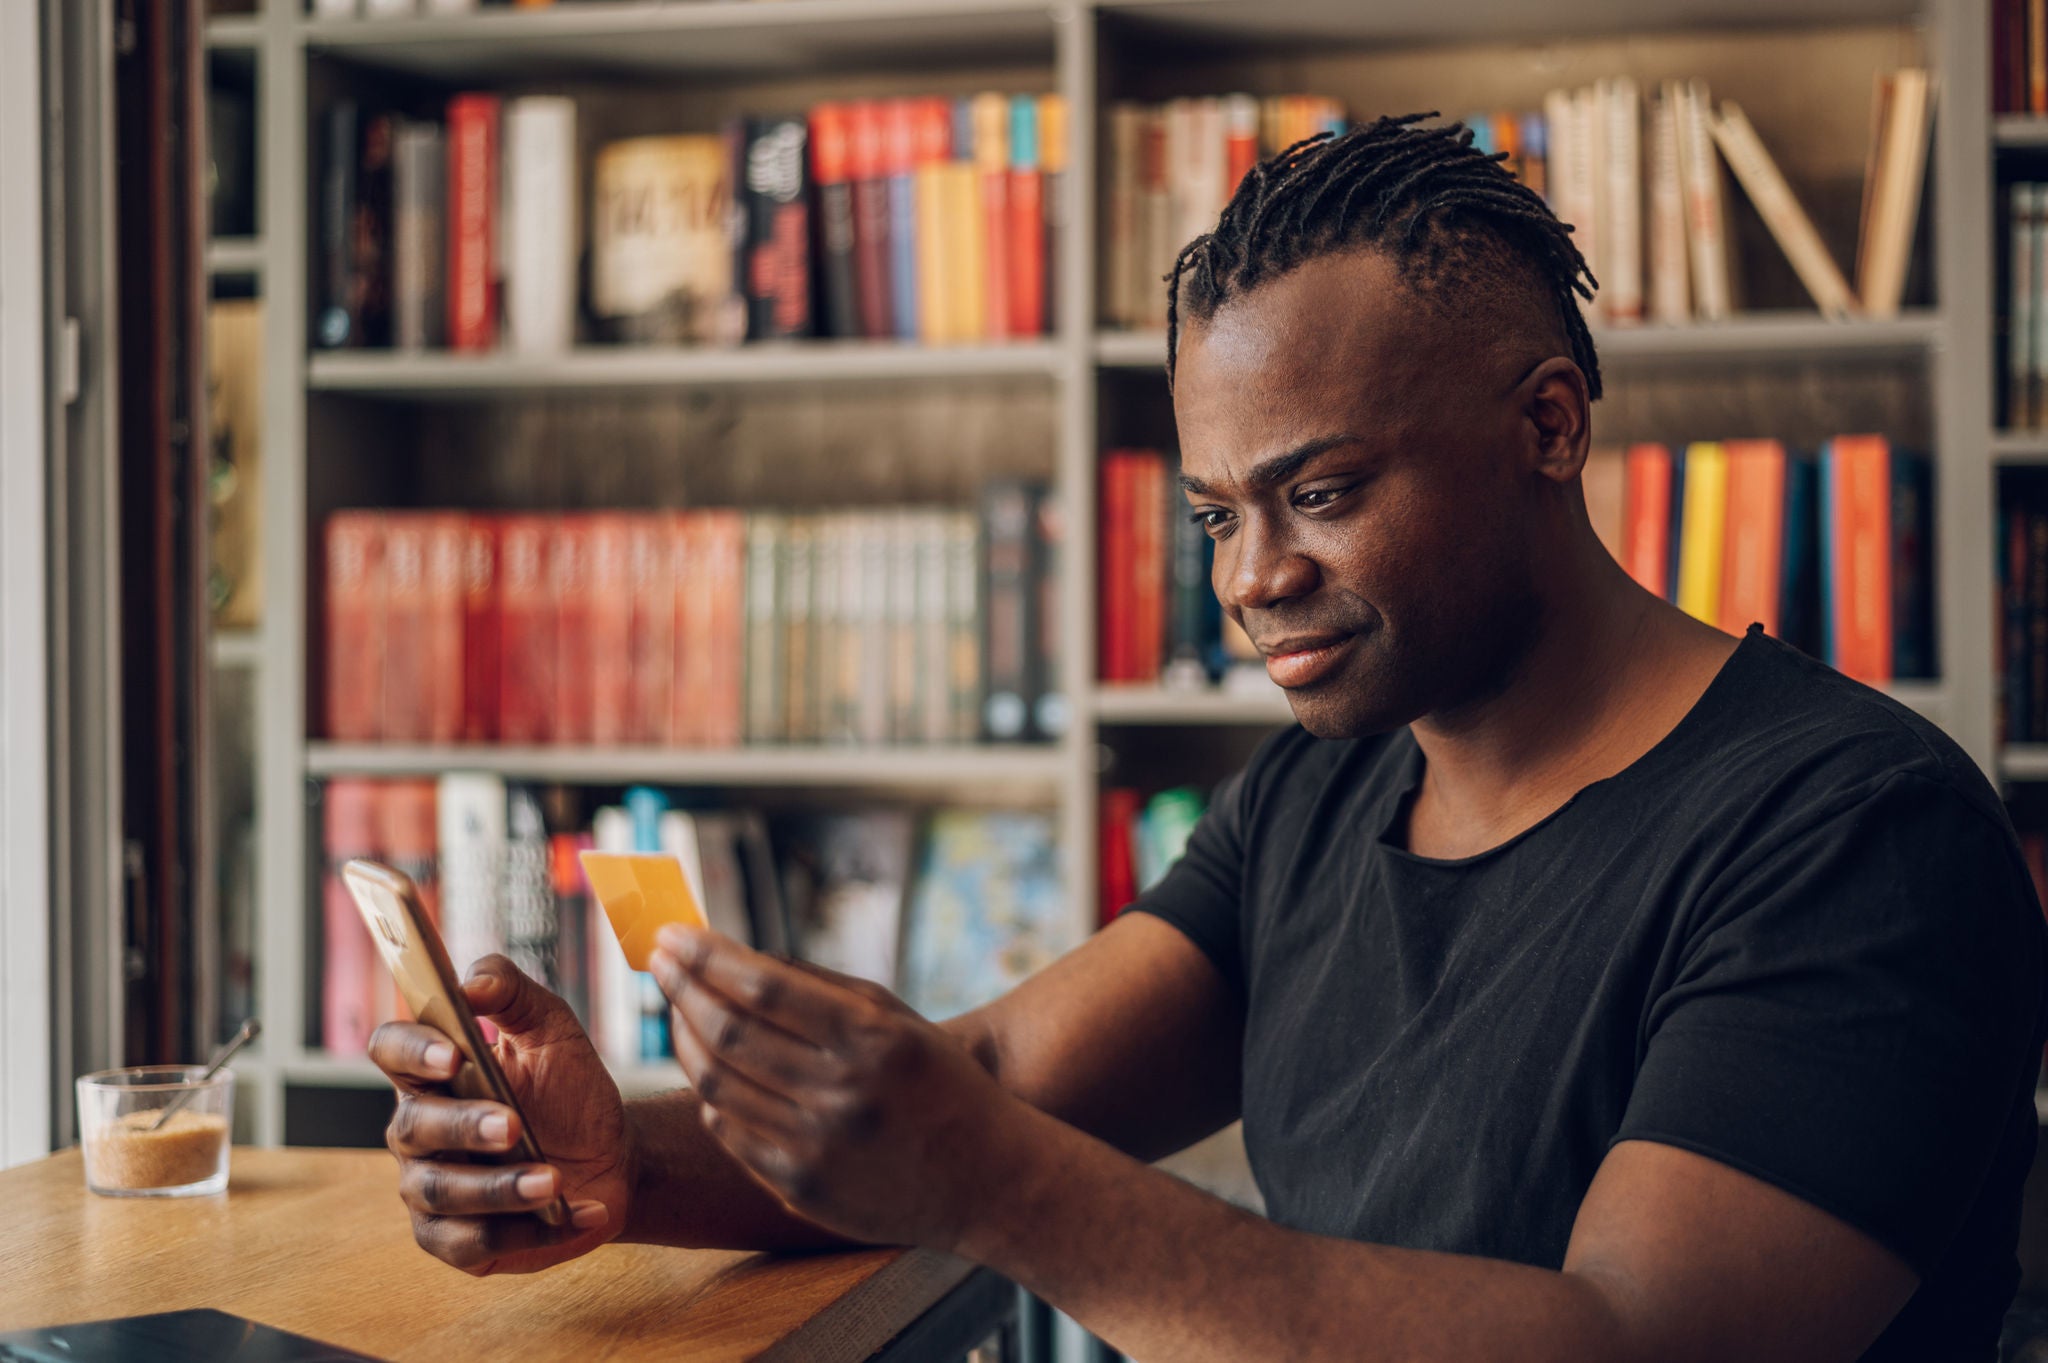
(1157, 617)
(926, 219)
(949, 907)
(1637, 175)
(2019, 57)
(2022, 653)
(1831, 553)
(701, 628)
(1141, 838)
(2024, 324)
(1172, 168)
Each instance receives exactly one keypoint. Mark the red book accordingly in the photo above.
(1026, 274)
(526, 629)
(864, 164)
(650, 709)
(1857, 523)
(991, 119)
(1120, 808)
(407, 839)
(1646, 516)
(1149, 566)
(1114, 624)
(686, 697)
(1752, 576)
(479, 629)
(407, 681)
(472, 222)
(355, 626)
(569, 582)
(447, 536)
(350, 997)
(610, 595)
(722, 645)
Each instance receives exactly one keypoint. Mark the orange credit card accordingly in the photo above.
(642, 892)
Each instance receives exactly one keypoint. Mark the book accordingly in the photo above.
(1051, 711)
(334, 322)
(873, 253)
(1706, 229)
(471, 812)
(1055, 193)
(845, 878)
(1163, 830)
(646, 808)
(986, 911)
(795, 578)
(899, 172)
(539, 228)
(964, 616)
(1148, 579)
(407, 838)
(407, 682)
(419, 304)
(370, 230)
(1025, 229)
(1116, 559)
(472, 220)
(573, 907)
(772, 264)
(480, 642)
(2023, 297)
(1646, 529)
(614, 1015)
(234, 408)
(1120, 246)
(1914, 654)
(609, 593)
(766, 717)
(1856, 524)
(661, 259)
(1752, 566)
(445, 624)
(354, 636)
(908, 689)
(532, 928)
(1008, 635)
(1194, 621)
(1774, 201)
(349, 969)
(526, 627)
(651, 629)
(1670, 268)
(1118, 817)
(932, 133)
(831, 183)
(1800, 604)
(1898, 166)
(1703, 534)
(1621, 227)
(571, 560)
(966, 218)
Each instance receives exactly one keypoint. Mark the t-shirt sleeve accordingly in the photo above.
(1202, 894)
(1856, 1011)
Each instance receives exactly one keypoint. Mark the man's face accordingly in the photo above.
(1364, 465)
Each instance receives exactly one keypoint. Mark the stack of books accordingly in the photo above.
(929, 220)
(702, 628)
(1141, 838)
(1832, 553)
(949, 907)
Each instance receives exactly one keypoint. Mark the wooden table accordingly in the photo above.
(317, 1243)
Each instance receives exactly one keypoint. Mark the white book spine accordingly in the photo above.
(615, 1005)
(1670, 284)
(540, 224)
(1706, 231)
(679, 840)
(1589, 167)
(470, 811)
(933, 670)
(2019, 304)
(1621, 234)
(1774, 200)
(1895, 197)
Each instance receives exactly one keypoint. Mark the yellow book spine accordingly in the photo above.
(1703, 531)
(934, 247)
(967, 265)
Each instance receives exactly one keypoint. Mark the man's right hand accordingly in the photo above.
(479, 1216)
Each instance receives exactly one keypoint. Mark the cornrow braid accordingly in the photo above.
(1420, 192)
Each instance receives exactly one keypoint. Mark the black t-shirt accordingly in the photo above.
(1796, 936)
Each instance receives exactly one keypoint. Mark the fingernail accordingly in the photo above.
(441, 1056)
(536, 1184)
(496, 1128)
(588, 1215)
(673, 940)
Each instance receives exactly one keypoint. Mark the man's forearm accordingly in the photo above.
(1162, 1270)
(690, 1193)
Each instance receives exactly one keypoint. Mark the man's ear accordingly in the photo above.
(1556, 406)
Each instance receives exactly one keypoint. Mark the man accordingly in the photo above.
(1592, 985)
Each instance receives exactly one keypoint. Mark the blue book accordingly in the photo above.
(1913, 650)
(902, 187)
(645, 805)
(1799, 614)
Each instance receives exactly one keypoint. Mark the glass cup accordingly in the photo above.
(128, 1155)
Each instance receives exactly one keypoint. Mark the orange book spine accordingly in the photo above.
(611, 626)
(991, 114)
(355, 626)
(575, 660)
(447, 549)
(526, 630)
(1646, 517)
(724, 642)
(1859, 515)
(479, 629)
(407, 681)
(651, 709)
(1751, 567)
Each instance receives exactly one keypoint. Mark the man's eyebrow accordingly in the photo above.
(1280, 467)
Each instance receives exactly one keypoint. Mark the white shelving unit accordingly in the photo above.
(1073, 44)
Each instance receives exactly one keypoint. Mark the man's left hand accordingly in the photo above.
(862, 1116)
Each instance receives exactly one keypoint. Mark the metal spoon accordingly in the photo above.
(250, 1030)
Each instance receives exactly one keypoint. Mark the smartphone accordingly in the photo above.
(406, 939)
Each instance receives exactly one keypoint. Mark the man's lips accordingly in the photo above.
(1303, 659)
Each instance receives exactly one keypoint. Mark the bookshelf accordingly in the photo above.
(1094, 385)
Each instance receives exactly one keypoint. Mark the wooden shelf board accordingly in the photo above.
(441, 375)
(1155, 705)
(2024, 761)
(234, 256)
(1760, 337)
(2019, 447)
(1254, 25)
(863, 768)
(2020, 130)
(637, 38)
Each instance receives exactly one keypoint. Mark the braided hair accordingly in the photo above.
(1446, 212)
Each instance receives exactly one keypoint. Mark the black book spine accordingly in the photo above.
(774, 259)
(334, 324)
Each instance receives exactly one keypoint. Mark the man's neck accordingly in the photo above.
(1611, 671)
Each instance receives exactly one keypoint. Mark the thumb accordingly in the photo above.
(521, 1006)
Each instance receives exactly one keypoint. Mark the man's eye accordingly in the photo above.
(1316, 498)
(1210, 519)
